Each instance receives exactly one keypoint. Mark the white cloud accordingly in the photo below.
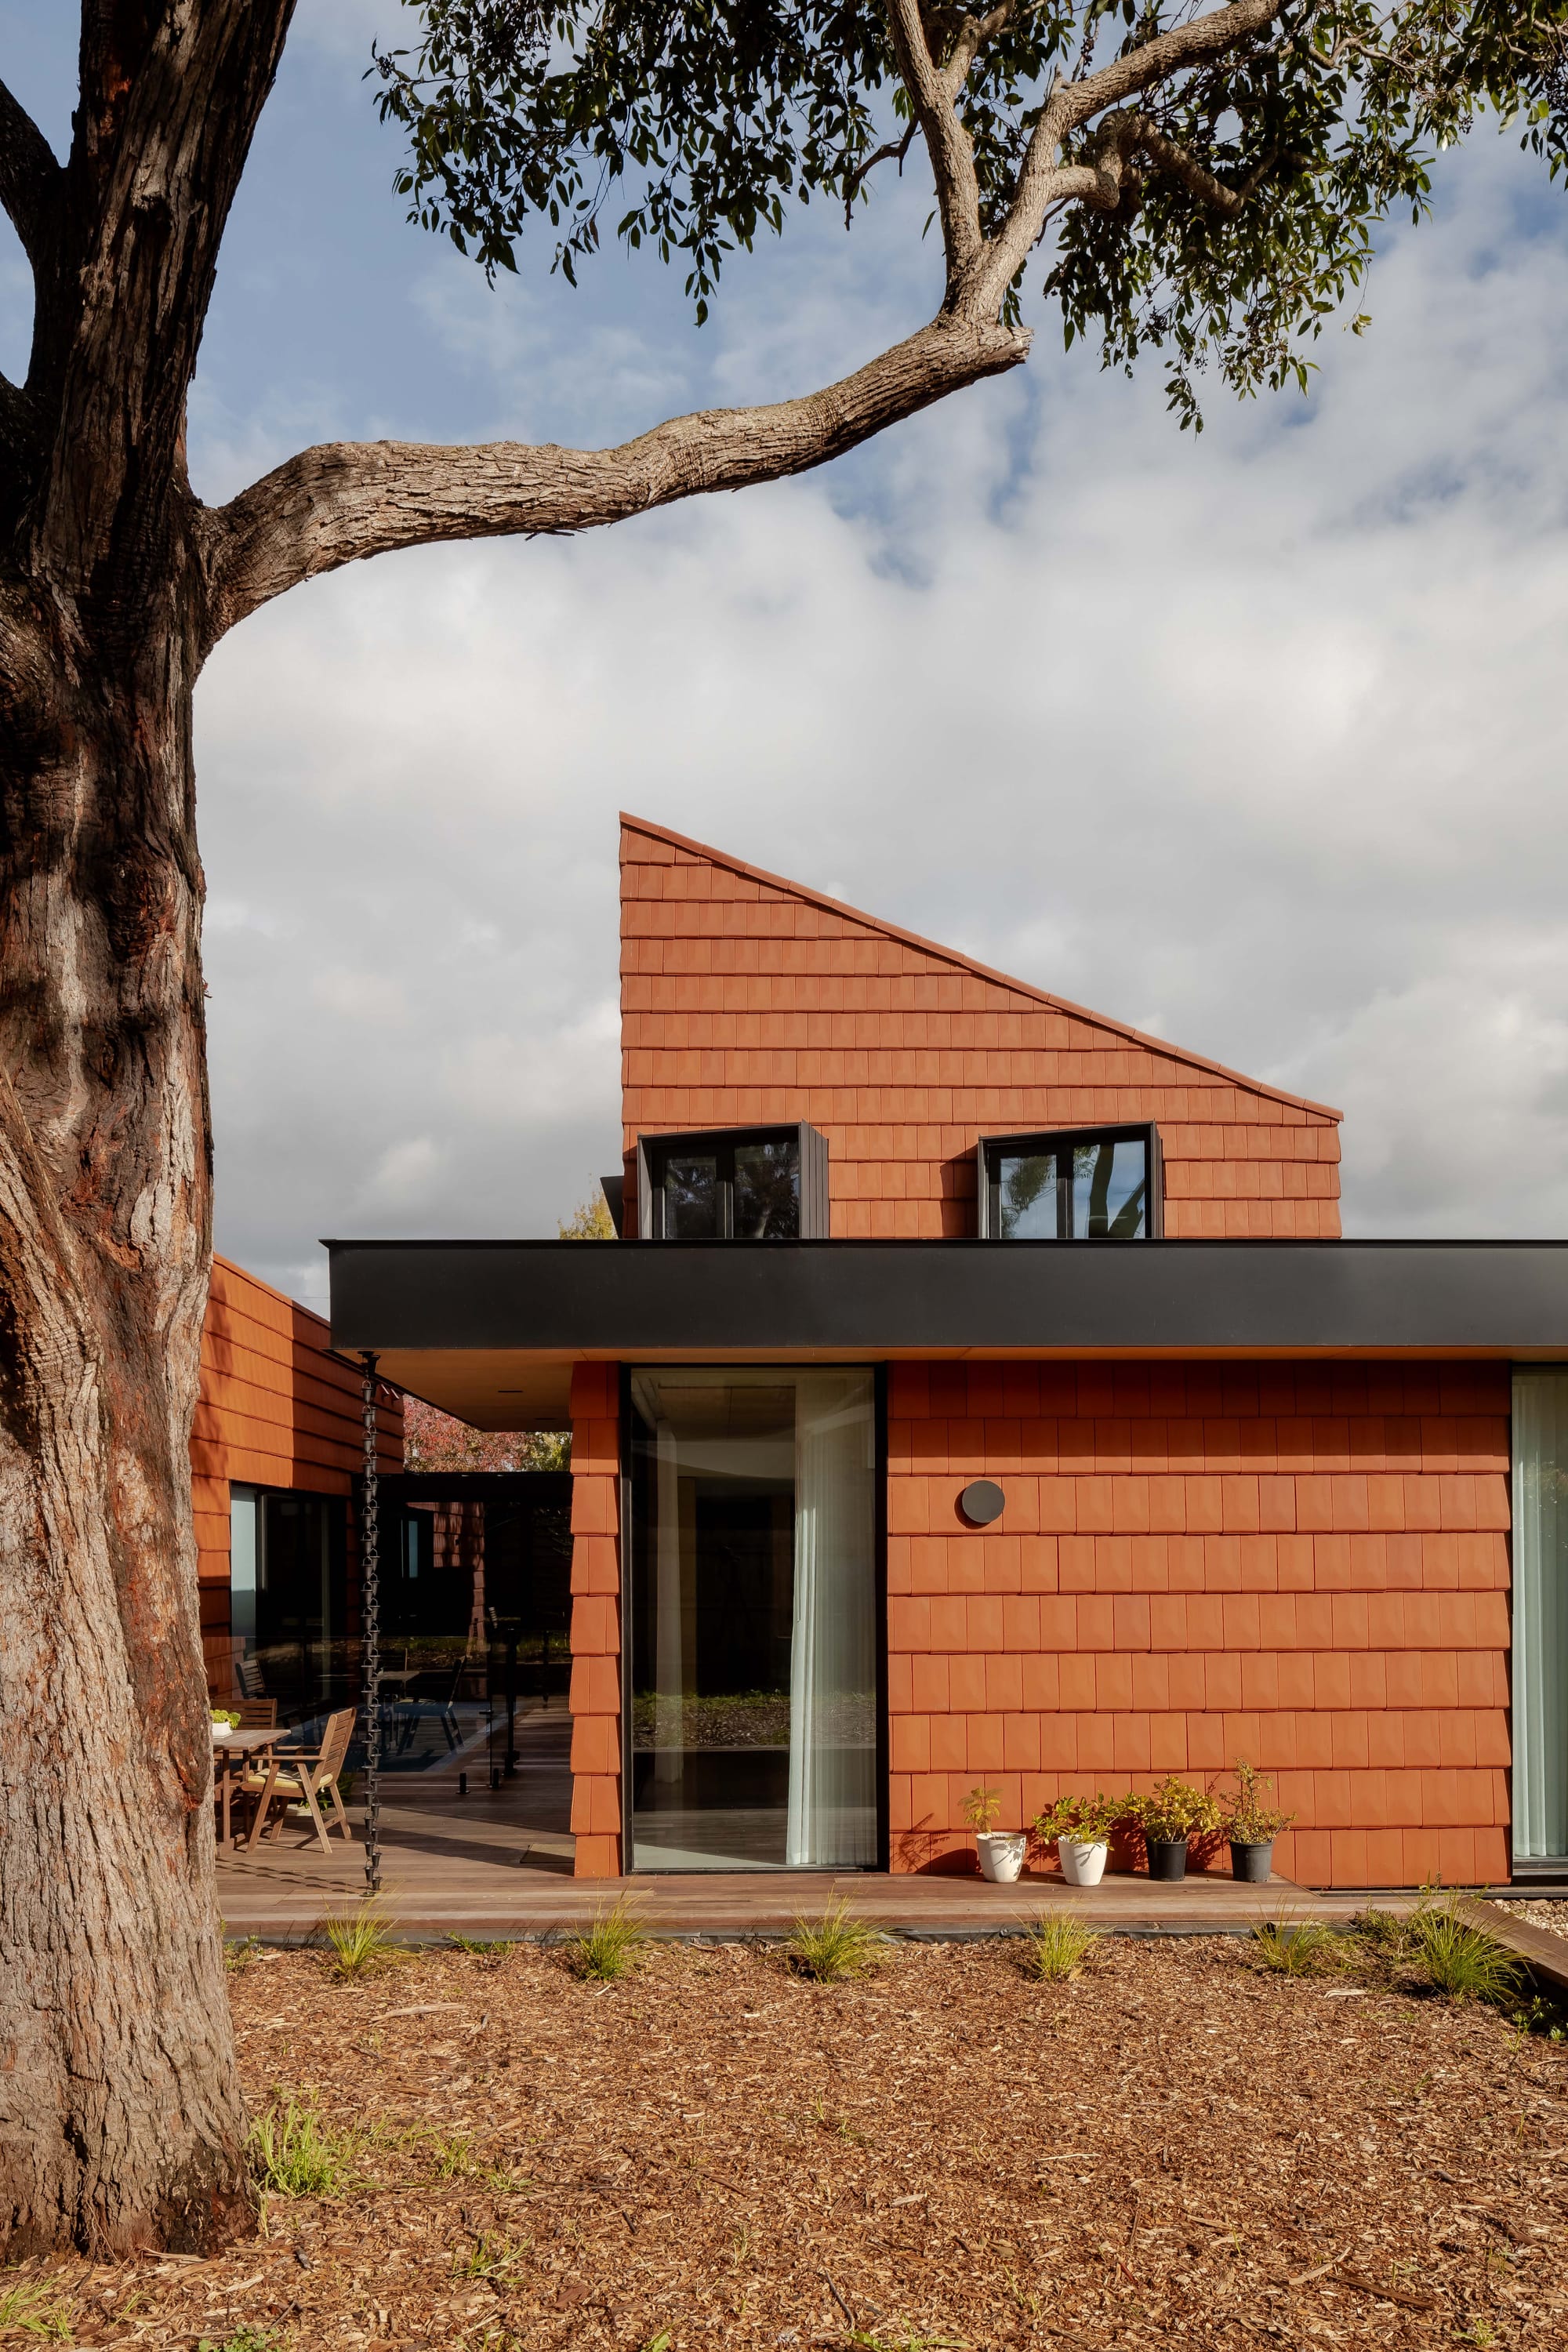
(1253, 740)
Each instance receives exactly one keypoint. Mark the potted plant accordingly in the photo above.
(1001, 1851)
(224, 1719)
(1250, 1825)
(1168, 1817)
(1079, 1827)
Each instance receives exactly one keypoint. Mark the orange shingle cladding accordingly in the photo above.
(1304, 1565)
(746, 999)
(276, 1408)
(595, 1620)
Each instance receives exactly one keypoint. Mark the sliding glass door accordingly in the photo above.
(753, 1618)
(1540, 1617)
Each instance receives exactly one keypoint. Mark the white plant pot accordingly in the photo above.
(222, 1730)
(1082, 1866)
(1001, 1854)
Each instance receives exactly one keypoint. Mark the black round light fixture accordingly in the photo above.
(982, 1501)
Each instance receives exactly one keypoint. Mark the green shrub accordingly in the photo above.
(1087, 1821)
(362, 1944)
(981, 1808)
(1055, 1948)
(1244, 1816)
(1174, 1811)
(1458, 1959)
(611, 1947)
(837, 1946)
(294, 2153)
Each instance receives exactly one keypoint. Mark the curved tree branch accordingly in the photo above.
(1043, 182)
(947, 141)
(332, 505)
(30, 180)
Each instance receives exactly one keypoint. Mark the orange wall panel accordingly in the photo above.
(276, 1408)
(1153, 1626)
(747, 999)
(596, 1620)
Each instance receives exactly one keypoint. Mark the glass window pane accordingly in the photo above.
(691, 1197)
(1111, 1189)
(767, 1191)
(1027, 1196)
(752, 1619)
(1540, 1617)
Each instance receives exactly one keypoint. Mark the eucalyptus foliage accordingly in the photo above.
(1251, 193)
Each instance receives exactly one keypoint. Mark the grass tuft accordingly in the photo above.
(294, 2153)
(1458, 1959)
(1297, 1948)
(476, 1945)
(1383, 1929)
(835, 1947)
(492, 2258)
(363, 1943)
(244, 2339)
(610, 1949)
(1055, 1948)
(35, 2307)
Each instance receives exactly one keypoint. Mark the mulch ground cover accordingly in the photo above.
(1173, 2149)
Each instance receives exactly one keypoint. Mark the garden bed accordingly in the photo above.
(1175, 2148)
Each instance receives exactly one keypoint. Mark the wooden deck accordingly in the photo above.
(497, 1864)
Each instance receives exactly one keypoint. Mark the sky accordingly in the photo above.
(1252, 739)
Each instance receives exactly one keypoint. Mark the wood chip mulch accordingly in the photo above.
(1172, 2149)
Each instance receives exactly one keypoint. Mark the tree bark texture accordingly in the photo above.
(120, 2118)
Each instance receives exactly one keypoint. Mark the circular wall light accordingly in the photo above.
(982, 1501)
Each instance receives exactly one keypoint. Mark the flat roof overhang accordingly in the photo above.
(490, 1330)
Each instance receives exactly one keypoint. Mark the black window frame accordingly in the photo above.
(722, 1142)
(1058, 1140)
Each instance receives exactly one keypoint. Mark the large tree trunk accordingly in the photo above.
(121, 2117)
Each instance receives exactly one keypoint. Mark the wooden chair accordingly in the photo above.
(247, 1672)
(304, 1776)
(254, 1714)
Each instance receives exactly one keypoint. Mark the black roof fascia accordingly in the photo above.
(874, 1299)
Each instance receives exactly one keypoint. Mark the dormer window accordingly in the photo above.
(733, 1184)
(1084, 1184)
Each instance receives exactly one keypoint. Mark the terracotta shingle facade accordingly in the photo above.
(746, 1000)
(1306, 1565)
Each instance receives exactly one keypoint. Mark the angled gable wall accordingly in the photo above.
(746, 999)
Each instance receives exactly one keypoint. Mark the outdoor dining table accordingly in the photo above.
(233, 1751)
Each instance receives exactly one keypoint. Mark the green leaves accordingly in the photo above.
(1228, 210)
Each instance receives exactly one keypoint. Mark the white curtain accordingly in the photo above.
(1541, 1616)
(832, 1821)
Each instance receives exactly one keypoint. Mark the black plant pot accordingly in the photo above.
(1167, 1857)
(1251, 1862)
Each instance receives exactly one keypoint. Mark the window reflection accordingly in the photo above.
(691, 1201)
(1070, 1188)
(767, 1191)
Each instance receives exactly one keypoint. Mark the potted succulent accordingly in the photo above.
(1168, 1817)
(1250, 1825)
(224, 1719)
(1079, 1827)
(1001, 1851)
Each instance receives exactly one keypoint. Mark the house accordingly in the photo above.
(277, 1446)
(981, 1392)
